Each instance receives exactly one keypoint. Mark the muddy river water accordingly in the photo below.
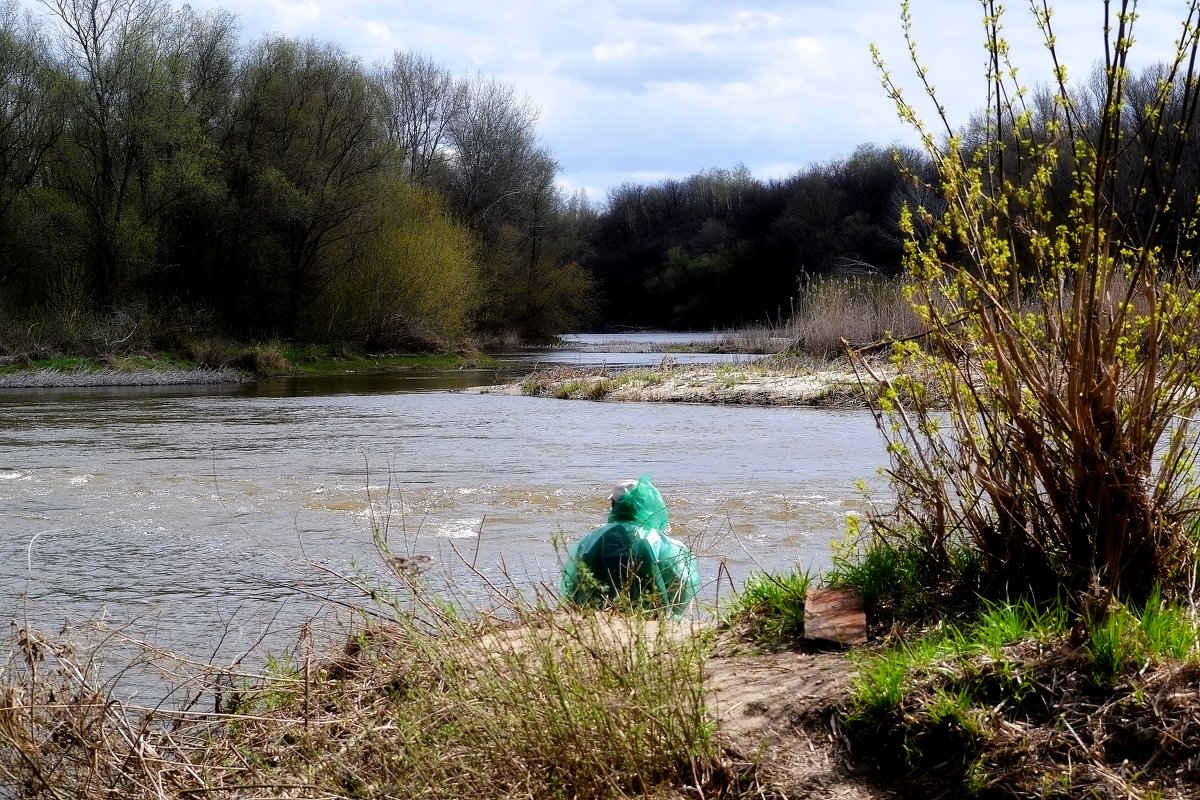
(198, 516)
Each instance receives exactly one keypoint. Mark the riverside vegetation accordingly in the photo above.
(218, 361)
(166, 181)
(169, 182)
(803, 359)
(1045, 531)
(426, 697)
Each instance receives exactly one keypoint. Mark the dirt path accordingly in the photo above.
(776, 709)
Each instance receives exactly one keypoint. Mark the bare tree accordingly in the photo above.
(494, 152)
(421, 102)
(308, 145)
(111, 51)
(30, 125)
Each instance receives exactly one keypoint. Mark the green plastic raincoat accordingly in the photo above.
(632, 557)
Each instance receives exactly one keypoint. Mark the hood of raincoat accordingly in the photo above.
(641, 504)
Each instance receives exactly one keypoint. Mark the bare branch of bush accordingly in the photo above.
(1062, 326)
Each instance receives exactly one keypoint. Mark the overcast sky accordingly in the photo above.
(638, 90)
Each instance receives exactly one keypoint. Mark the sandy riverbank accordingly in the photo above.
(55, 378)
(760, 383)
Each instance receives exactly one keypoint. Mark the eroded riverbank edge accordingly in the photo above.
(758, 383)
(166, 369)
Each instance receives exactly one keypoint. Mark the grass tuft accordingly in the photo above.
(770, 608)
(899, 581)
(266, 360)
(590, 706)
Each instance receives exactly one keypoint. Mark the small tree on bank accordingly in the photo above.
(1044, 428)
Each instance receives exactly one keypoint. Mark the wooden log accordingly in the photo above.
(836, 616)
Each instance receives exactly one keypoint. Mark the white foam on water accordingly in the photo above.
(459, 528)
(13, 475)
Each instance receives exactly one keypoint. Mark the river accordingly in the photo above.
(198, 517)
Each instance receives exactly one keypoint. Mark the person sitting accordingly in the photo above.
(631, 559)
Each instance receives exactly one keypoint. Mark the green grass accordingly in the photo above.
(898, 580)
(924, 704)
(953, 649)
(770, 608)
(157, 362)
(1125, 641)
(264, 358)
(566, 390)
(1170, 633)
(941, 709)
(337, 360)
(1113, 646)
(1001, 625)
(729, 376)
(598, 390)
(61, 363)
(590, 388)
(879, 684)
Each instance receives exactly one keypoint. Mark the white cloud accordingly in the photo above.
(296, 16)
(378, 30)
(621, 51)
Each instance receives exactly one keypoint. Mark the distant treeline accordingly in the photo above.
(721, 248)
(161, 179)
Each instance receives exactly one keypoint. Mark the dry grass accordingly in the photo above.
(424, 696)
(859, 310)
(65, 732)
(426, 704)
(266, 360)
(562, 709)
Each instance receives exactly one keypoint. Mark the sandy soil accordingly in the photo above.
(748, 384)
(777, 709)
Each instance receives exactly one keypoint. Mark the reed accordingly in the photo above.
(833, 312)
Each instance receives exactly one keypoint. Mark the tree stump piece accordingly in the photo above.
(835, 615)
